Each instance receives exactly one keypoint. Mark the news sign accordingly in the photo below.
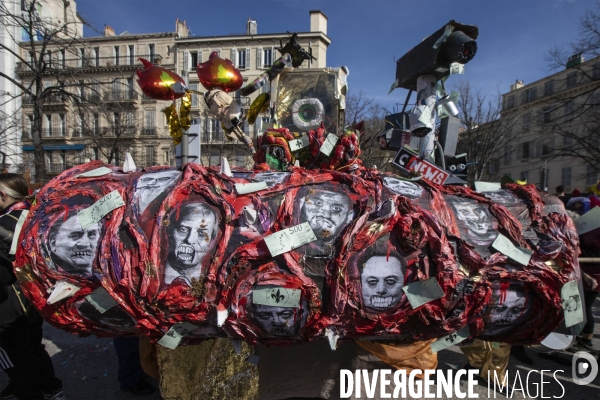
(412, 163)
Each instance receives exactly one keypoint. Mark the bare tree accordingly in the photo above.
(42, 56)
(360, 108)
(484, 136)
(573, 114)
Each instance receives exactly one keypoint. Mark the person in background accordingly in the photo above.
(26, 361)
(560, 193)
(131, 376)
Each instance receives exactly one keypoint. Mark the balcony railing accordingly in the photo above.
(149, 130)
(121, 95)
(56, 168)
(94, 62)
(54, 132)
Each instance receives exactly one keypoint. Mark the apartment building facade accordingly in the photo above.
(107, 115)
(53, 13)
(252, 53)
(550, 115)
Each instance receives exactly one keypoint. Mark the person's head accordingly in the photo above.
(151, 185)
(402, 187)
(73, 248)
(190, 233)
(13, 188)
(474, 215)
(560, 190)
(507, 306)
(278, 321)
(328, 212)
(382, 279)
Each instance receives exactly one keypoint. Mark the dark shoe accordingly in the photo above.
(558, 358)
(520, 354)
(142, 388)
(7, 392)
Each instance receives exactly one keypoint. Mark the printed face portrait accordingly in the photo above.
(502, 197)
(506, 308)
(278, 321)
(382, 279)
(476, 219)
(73, 248)
(272, 178)
(327, 213)
(151, 185)
(403, 188)
(190, 238)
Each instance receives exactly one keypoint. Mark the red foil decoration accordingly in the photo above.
(219, 73)
(157, 82)
(186, 247)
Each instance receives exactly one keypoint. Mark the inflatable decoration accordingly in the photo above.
(219, 73)
(159, 83)
(180, 255)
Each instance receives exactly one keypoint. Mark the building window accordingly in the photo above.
(548, 88)
(96, 125)
(193, 60)
(215, 130)
(96, 153)
(116, 54)
(572, 79)
(267, 58)
(507, 154)
(194, 95)
(591, 175)
(82, 62)
(547, 115)
(524, 175)
(526, 121)
(567, 141)
(62, 62)
(569, 107)
(149, 122)
(131, 54)
(596, 71)
(525, 150)
(96, 56)
(565, 177)
(151, 52)
(28, 127)
(544, 178)
(79, 125)
(167, 156)
(150, 154)
(215, 158)
(241, 61)
(529, 95)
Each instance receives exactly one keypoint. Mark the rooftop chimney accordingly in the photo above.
(574, 60)
(181, 28)
(318, 21)
(251, 27)
(518, 85)
(108, 31)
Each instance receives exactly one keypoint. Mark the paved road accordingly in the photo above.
(88, 369)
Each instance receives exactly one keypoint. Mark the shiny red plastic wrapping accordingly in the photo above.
(187, 247)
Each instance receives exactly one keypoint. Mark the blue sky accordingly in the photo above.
(369, 35)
